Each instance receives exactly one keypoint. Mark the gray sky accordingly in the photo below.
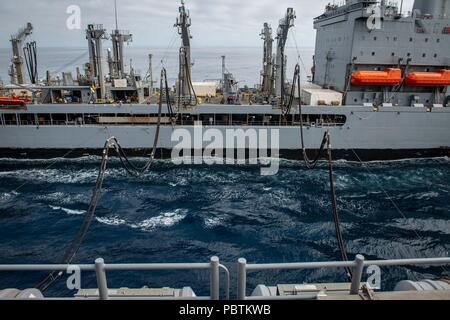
(225, 23)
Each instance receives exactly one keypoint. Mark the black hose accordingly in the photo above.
(287, 108)
(192, 94)
(447, 102)
(336, 220)
(30, 55)
(129, 167)
(311, 164)
(81, 235)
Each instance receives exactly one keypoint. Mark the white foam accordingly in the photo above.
(111, 221)
(68, 211)
(213, 222)
(8, 196)
(423, 195)
(164, 220)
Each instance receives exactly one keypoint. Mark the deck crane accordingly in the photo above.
(17, 72)
(185, 90)
(280, 66)
(267, 71)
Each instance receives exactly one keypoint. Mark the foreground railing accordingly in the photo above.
(214, 267)
(100, 268)
(357, 266)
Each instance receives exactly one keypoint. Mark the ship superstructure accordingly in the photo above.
(373, 54)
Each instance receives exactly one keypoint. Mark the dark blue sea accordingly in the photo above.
(389, 210)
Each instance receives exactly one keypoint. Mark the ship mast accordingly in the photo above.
(280, 75)
(95, 34)
(267, 72)
(17, 72)
(118, 38)
(150, 74)
(185, 94)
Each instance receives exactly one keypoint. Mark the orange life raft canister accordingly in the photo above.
(389, 77)
(431, 79)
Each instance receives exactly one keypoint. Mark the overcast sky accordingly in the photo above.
(225, 23)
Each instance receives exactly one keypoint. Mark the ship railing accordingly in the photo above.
(357, 266)
(178, 123)
(100, 268)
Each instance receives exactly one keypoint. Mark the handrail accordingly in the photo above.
(227, 283)
(100, 268)
(57, 123)
(358, 265)
(214, 267)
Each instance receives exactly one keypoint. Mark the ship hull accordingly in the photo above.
(367, 134)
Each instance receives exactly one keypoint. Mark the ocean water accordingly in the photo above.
(244, 63)
(389, 210)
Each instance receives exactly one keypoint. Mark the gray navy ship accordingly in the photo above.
(380, 87)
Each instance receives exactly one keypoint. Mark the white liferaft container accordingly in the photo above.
(319, 96)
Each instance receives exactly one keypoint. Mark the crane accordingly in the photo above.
(267, 72)
(186, 94)
(280, 67)
(17, 72)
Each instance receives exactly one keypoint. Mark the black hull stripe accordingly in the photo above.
(364, 154)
